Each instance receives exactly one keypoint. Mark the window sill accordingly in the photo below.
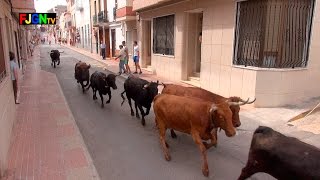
(163, 55)
(270, 69)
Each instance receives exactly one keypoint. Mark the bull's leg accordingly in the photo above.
(83, 90)
(148, 110)
(162, 135)
(143, 122)
(196, 137)
(109, 94)
(213, 139)
(94, 93)
(129, 101)
(173, 134)
(251, 167)
(101, 96)
(137, 113)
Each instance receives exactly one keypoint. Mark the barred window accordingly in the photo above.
(163, 35)
(273, 33)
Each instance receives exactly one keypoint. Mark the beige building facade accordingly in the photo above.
(233, 48)
(12, 38)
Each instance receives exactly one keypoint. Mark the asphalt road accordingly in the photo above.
(123, 149)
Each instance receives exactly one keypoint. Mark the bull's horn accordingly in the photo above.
(158, 82)
(213, 108)
(237, 103)
(250, 102)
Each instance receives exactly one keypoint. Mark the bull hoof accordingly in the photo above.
(102, 106)
(132, 113)
(168, 157)
(108, 102)
(143, 122)
(205, 172)
(167, 145)
(173, 135)
(137, 116)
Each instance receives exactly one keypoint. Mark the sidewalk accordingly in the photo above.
(46, 143)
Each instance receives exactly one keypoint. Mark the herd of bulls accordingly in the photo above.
(201, 114)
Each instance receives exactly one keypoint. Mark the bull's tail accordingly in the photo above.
(123, 97)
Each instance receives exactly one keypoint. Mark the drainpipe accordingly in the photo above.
(90, 26)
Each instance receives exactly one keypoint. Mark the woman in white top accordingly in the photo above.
(136, 57)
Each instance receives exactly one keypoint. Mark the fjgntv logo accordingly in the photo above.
(37, 18)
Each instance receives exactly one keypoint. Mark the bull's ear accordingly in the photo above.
(89, 66)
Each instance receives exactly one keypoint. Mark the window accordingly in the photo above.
(273, 33)
(163, 35)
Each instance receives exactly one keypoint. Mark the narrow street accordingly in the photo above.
(122, 149)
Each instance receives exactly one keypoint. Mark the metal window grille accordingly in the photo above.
(163, 35)
(273, 33)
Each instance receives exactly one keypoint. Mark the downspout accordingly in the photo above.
(90, 26)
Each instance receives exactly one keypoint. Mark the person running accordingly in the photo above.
(121, 56)
(126, 57)
(136, 57)
(14, 75)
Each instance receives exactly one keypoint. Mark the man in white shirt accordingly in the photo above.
(121, 56)
(136, 57)
(127, 56)
(103, 50)
(14, 75)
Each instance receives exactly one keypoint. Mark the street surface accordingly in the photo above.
(122, 149)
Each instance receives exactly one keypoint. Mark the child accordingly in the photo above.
(122, 55)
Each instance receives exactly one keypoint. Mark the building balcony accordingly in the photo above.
(103, 16)
(125, 14)
(79, 5)
(143, 4)
(95, 20)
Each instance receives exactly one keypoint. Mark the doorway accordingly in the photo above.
(17, 48)
(113, 43)
(107, 38)
(146, 43)
(194, 38)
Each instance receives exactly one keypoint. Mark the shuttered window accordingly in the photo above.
(163, 35)
(273, 33)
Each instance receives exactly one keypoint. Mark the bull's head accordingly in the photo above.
(152, 88)
(111, 81)
(221, 116)
(235, 103)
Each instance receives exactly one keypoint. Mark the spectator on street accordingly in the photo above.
(103, 50)
(31, 48)
(121, 56)
(126, 61)
(14, 75)
(136, 57)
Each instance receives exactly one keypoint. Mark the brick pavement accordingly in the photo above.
(46, 142)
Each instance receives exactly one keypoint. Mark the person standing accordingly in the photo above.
(121, 56)
(136, 57)
(14, 75)
(31, 48)
(103, 50)
(126, 56)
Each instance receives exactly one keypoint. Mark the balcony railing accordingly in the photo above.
(95, 20)
(103, 16)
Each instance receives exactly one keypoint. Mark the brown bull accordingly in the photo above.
(192, 116)
(81, 74)
(234, 102)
